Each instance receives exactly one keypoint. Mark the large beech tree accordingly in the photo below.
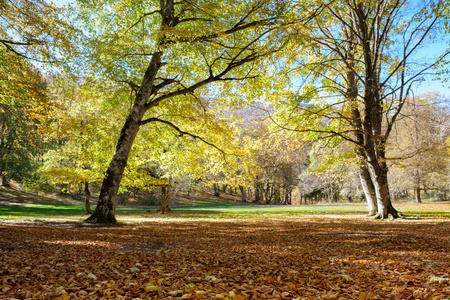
(168, 52)
(361, 69)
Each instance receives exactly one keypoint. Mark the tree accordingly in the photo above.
(360, 72)
(25, 112)
(34, 29)
(185, 46)
(272, 161)
(83, 133)
(418, 145)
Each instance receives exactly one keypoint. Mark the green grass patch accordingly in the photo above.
(213, 209)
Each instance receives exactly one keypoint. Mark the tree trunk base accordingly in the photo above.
(372, 213)
(98, 218)
(385, 215)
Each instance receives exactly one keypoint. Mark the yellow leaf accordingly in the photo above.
(150, 288)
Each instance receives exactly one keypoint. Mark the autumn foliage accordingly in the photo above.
(274, 257)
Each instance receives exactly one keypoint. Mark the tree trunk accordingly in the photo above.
(242, 193)
(231, 190)
(417, 194)
(87, 201)
(417, 186)
(224, 188)
(352, 95)
(368, 189)
(257, 192)
(216, 190)
(5, 182)
(104, 212)
(380, 182)
(165, 199)
(249, 193)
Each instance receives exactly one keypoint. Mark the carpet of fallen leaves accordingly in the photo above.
(277, 257)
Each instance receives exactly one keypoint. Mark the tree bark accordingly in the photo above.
(417, 194)
(242, 193)
(380, 182)
(104, 212)
(357, 124)
(165, 199)
(257, 192)
(374, 140)
(87, 200)
(417, 183)
(5, 182)
(368, 189)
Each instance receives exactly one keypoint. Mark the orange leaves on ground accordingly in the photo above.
(326, 257)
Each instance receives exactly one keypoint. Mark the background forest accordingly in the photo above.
(279, 102)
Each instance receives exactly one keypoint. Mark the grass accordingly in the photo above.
(20, 206)
(63, 211)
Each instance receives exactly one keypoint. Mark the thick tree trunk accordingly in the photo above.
(368, 189)
(242, 193)
(417, 194)
(380, 182)
(104, 212)
(165, 199)
(357, 123)
(87, 200)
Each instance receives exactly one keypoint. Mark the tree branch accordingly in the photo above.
(181, 132)
(141, 18)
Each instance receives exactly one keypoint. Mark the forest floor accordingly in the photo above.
(227, 254)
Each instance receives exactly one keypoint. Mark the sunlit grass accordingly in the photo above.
(211, 210)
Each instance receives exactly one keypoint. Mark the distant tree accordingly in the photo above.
(83, 134)
(418, 145)
(334, 163)
(25, 113)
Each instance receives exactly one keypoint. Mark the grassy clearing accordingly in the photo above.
(19, 206)
(68, 211)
